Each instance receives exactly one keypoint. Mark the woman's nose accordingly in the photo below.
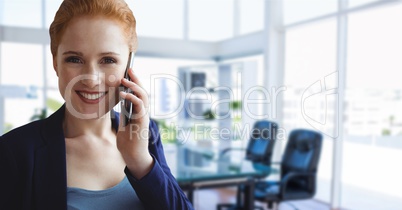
(92, 77)
(91, 80)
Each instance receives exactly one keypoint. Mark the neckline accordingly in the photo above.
(107, 191)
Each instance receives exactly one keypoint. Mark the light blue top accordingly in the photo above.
(120, 197)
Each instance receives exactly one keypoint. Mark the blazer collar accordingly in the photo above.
(50, 177)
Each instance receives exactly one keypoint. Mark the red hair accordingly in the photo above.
(114, 9)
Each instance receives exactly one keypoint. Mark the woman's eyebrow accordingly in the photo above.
(109, 53)
(73, 52)
(81, 54)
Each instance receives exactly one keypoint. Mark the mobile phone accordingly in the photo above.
(126, 105)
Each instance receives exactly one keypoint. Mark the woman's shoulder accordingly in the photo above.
(23, 135)
(35, 133)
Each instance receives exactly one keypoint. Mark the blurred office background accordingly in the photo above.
(337, 63)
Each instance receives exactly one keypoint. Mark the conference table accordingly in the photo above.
(192, 180)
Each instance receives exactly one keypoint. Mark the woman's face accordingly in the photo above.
(90, 62)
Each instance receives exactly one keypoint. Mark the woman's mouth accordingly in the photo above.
(91, 97)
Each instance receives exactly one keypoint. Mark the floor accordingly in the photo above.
(208, 199)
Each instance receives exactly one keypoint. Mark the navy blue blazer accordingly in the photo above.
(33, 169)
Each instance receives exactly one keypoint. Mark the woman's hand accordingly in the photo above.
(132, 140)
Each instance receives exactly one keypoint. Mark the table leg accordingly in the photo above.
(249, 195)
(190, 196)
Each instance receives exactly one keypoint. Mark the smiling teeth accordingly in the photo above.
(92, 96)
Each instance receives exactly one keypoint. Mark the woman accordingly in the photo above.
(81, 157)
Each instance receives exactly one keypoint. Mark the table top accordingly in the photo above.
(220, 172)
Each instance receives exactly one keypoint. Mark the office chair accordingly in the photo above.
(298, 170)
(259, 152)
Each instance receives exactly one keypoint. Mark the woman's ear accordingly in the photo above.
(55, 65)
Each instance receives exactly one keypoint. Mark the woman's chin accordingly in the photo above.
(93, 111)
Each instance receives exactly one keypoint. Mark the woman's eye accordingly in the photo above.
(73, 60)
(108, 60)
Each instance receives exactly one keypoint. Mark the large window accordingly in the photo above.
(251, 16)
(299, 10)
(22, 68)
(15, 13)
(373, 126)
(51, 7)
(310, 74)
(206, 20)
(210, 20)
(158, 18)
(355, 3)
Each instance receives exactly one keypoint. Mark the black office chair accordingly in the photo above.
(259, 152)
(298, 170)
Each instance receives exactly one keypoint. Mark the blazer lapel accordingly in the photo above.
(50, 179)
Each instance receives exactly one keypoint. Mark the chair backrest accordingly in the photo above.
(302, 152)
(261, 143)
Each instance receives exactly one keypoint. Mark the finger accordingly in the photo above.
(137, 90)
(138, 106)
(134, 77)
(121, 122)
